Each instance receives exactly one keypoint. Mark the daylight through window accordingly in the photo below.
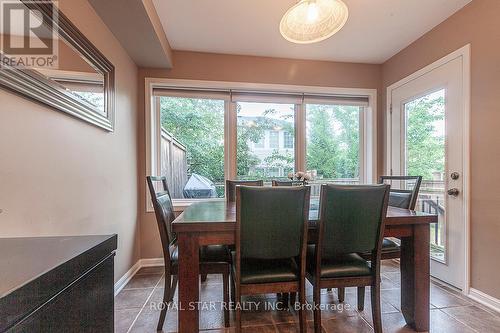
(210, 136)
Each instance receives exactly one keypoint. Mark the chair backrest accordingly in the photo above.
(403, 197)
(271, 222)
(231, 187)
(164, 211)
(288, 183)
(352, 218)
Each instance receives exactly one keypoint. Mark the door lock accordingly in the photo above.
(453, 191)
(454, 175)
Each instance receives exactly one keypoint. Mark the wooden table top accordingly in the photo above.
(221, 215)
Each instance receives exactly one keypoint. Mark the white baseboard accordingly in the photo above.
(485, 299)
(122, 282)
(151, 262)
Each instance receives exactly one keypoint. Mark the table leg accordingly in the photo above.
(415, 278)
(188, 282)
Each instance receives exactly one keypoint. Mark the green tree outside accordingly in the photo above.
(425, 153)
(332, 137)
(333, 140)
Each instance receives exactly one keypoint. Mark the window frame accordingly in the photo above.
(368, 125)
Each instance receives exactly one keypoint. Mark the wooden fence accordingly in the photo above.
(173, 164)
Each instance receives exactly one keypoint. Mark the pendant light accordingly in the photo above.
(311, 21)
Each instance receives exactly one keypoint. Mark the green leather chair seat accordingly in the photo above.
(388, 245)
(400, 199)
(348, 265)
(266, 271)
(209, 253)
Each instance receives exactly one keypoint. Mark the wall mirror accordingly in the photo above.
(46, 58)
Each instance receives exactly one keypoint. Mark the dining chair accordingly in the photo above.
(351, 221)
(288, 297)
(403, 194)
(399, 196)
(214, 259)
(288, 183)
(231, 187)
(271, 240)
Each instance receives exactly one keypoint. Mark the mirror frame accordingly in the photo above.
(37, 87)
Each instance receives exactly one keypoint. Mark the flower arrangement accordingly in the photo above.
(302, 176)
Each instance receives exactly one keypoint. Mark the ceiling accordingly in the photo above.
(133, 23)
(375, 30)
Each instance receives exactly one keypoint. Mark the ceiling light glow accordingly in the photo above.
(311, 21)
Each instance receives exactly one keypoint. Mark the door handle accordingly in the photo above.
(453, 191)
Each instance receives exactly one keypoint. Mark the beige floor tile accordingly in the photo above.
(475, 318)
(124, 318)
(443, 323)
(442, 298)
(143, 281)
(456, 313)
(294, 327)
(350, 324)
(132, 298)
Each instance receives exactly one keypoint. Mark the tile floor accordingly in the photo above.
(450, 312)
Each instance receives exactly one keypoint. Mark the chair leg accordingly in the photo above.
(166, 300)
(341, 292)
(173, 286)
(225, 287)
(203, 277)
(317, 308)
(237, 308)
(375, 298)
(233, 290)
(293, 299)
(361, 298)
(285, 300)
(302, 310)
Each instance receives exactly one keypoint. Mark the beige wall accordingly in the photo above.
(220, 67)
(477, 24)
(61, 176)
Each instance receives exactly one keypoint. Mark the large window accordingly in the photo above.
(201, 137)
(333, 142)
(192, 146)
(256, 122)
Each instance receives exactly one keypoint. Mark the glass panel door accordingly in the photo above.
(425, 156)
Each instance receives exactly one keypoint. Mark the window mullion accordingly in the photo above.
(300, 137)
(362, 146)
(230, 143)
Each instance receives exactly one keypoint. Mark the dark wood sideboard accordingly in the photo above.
(57, 284)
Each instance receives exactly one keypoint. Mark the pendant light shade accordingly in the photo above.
(311, 21)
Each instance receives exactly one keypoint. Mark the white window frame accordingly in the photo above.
(368, 124)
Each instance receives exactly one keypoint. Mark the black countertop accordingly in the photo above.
(24, 259)
(34, 269)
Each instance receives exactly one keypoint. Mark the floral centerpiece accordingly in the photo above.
(302, 176)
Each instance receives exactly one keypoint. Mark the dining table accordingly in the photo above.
(214, 222)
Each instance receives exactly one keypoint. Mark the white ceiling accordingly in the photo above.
(375, 30)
